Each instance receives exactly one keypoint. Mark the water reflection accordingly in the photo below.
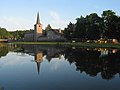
(93, 61)
(39, 51)
(3, 50)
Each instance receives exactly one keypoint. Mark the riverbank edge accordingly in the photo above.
(69, 44)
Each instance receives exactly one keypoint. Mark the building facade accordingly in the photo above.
(38, 35)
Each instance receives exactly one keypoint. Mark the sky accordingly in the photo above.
(22, 14)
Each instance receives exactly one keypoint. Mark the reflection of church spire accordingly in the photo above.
(38, 59)
(38, 66)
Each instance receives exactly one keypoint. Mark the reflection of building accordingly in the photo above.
(104, 51)
(85, 60)
(53, 53)
(38, 35)
(38, 59)
(39, 51)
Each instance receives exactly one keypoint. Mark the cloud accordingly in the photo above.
(15, 23)
(13, 59)
(57, 21)
(56, 17)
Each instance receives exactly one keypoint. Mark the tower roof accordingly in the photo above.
(38, 19)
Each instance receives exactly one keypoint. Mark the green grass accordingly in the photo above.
(78, 44)
(96, 45)
(47, 43)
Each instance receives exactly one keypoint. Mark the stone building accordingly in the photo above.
(52, 35)
(29, 36)
(38, 35)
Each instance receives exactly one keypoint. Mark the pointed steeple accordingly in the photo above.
(38, 19)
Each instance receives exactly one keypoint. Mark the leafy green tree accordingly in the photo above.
(47, 29)
(93, 26)
(118, 28)
(69, 31)
(80, 29)
(4, 34)
(110, 23)
(19, 34)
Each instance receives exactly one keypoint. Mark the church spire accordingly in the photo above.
(38, 19)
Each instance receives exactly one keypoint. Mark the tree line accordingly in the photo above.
(14, 35)
(90, 27)
(4, 34)
(18, 34)
(93, 27)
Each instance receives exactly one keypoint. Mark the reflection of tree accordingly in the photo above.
(1, 88)
(92, 64)
(111, 64)
(3, 50)
(90, 61)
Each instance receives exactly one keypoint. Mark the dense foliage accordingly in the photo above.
(94, 27)
(14, 35)
(19, 34)
(47, 29)
(4, 34)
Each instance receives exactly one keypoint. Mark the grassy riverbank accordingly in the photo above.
(44, 43)
(78, 44)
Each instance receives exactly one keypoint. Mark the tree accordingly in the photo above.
(18, 34)
(93, 26)
(4, 34)
(69, 31)
(80, 29)
(47, 29)
(110, 21)
(88, 27)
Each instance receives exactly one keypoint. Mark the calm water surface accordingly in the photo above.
(41, 67)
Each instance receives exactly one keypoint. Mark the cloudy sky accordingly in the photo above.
(21, 14)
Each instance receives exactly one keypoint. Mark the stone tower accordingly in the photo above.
(37, 28)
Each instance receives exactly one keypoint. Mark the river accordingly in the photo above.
(47, 67)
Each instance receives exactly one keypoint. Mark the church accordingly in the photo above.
(38, 33)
